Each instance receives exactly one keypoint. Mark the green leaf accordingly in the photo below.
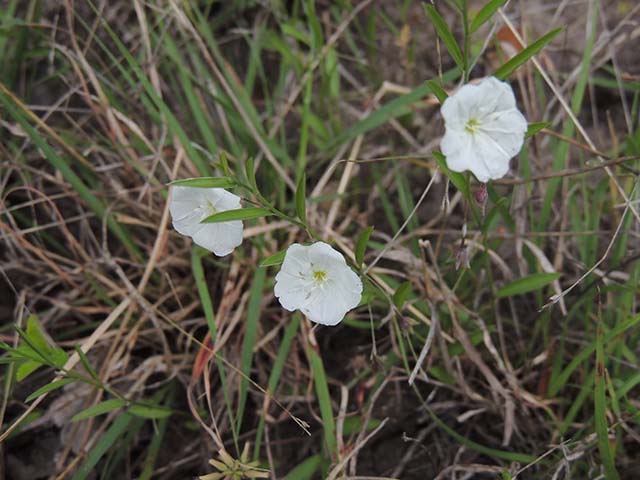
(250, 172)
(401, 294)
(237, 214)
(35, 335)
(250, 339)
(505, 70)
(535, 127)
(100, 409)
(437, 90)
(392, 109)
(301, 208)
(37, 350)
(276, 371)
(49, 387)
(20, 113)
(204, 182)
(485, 14)
(86, 364)
(527, 284)
(361, 245)
(27, 368)
(224, 163)
(304, 470)
(275, 259)
(444, 33)
(105, 442)
(324, 399)
(149, 411)
(457, 178)
(600, 411)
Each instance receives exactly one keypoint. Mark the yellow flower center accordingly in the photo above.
(319, 276)
(472, 125)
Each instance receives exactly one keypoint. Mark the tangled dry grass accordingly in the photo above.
(443, 372)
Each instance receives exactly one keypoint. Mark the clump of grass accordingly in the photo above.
(143, 355)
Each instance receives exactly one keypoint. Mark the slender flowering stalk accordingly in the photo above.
(190, 205)
(484, 129)
(317, 281)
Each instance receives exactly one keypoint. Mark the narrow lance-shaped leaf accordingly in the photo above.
(361, 245)
(437, 90)
(224, 163)
(204, 182)
(444, 33)
(49, 387)
(485, 14)
(237, 214)
(401, 294)
(251, 174)
(535, 127)
(527, 284)
(456, 178)
(275, 259)
(149, 411)
(505, 70)
(100, 409)
(86, 364)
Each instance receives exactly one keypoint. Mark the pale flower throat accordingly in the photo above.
(320, 276)
(472, 126)
(208, 209)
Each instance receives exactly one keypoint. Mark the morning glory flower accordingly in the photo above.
(484, 129)
(316, 280)
(190, 205)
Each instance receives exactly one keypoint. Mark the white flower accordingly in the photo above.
(190, 205)
(484, 129)
(317, 281)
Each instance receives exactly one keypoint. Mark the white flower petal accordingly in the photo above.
(220, 238)
(484, 129)
(507, 129)
(324, 311)
(222, 200)
(492, 161)
(317, 281)
(495, 95)
(190, 205)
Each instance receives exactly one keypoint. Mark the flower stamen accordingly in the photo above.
(320, 276)
(208, 208)
(472, 126)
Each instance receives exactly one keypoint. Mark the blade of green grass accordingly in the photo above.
(172, 121)
(276, 372)
(445, 34)
(526, 284)
(393, 109)
(85, 193)
(562, 149)
(600, 411)
(106, 441)
(324, 399)
(207, 306)
(305, 470)
(250, 338)
(99, 409)
(578, 359)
